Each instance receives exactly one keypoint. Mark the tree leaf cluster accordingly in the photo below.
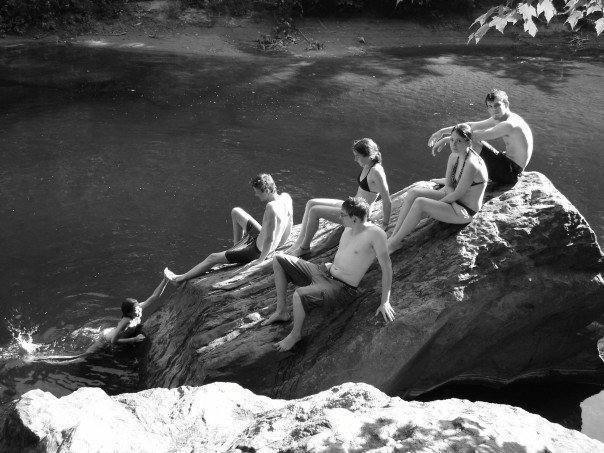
(530, 13)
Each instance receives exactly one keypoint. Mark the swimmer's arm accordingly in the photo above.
(484, 124)
(268, 245)
(380, 247)
(446, 131)
(140, 337)
(499, 130)
(464, 184)
(115, 335)
(448, 172)
(380, 185)
(156, 293)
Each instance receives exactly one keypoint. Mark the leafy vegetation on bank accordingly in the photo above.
(19, 16)
(530, 13)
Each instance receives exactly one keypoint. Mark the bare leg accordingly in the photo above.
(280, 313)
(204, 266)
(425, 206)
(315, 202)
(240, 219)
(315, 214)
(410, 197)
(296, 334)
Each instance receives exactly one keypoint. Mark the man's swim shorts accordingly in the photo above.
(502, 170)
(246, 250)
(316, 286)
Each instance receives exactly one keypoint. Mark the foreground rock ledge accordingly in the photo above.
(224, 417)
(517, 293)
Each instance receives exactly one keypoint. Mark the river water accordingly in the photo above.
(116, 163)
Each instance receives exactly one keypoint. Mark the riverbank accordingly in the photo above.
(154, 26)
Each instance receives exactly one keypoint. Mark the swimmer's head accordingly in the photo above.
(461, 138)
(131, 308)
(367, 148)
(497, 95)
(264, 182)
(355, 208)
(263, 186)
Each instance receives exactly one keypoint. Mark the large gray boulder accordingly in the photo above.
(224, 417)
(516, 293)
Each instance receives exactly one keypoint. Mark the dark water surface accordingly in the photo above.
(116, 163)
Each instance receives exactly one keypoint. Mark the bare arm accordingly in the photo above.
(269, 225)
(140, 337)
(445, 131)
(497, 131)
(380, 247)
(378, 183)
(448, 172)
(156, 293)
(464, 184)
(115, 335)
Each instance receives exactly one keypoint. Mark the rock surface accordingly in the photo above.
(511, 295)
(224, 417)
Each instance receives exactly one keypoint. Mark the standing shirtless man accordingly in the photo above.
(333, 285)
(504, 167)
(252, 242)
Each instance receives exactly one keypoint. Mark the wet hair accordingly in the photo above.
(264, 182)
(464, 130)
(497, 94)
(356, 207)
(366, 147)
(128, 308)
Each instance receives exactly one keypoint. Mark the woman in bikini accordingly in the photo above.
(372, 182)
(460, 198)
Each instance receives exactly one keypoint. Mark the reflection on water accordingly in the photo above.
(117, 163)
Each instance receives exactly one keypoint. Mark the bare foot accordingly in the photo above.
(276, 317)
(171, 276)
(288, 342)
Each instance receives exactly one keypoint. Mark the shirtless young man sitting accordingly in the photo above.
(333, 285)
(261, 239)
(504, 167)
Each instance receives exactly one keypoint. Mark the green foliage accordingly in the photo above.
(18, 16)
(527, 12)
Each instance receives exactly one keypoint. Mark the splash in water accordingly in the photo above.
(22, 344)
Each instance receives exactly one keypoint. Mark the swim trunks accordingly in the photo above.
(502, 170)
(316, 286)
(246, 250)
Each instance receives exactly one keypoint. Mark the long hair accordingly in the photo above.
(366, 147)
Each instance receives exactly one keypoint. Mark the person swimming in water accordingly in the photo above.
(128, 329)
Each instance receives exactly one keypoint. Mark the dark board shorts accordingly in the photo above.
(246, 250)
(317, 288)
(502, 170)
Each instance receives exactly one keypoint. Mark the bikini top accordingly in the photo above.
(453, 178)
(363, 183)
